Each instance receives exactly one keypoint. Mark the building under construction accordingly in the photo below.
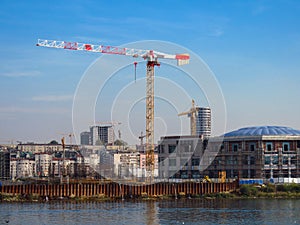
(271, 153)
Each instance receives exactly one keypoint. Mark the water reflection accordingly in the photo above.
(230, 211)
(181, 211)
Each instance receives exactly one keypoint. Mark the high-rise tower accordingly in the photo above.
(203, 121)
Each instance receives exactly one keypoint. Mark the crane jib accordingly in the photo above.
(95, 48)
(182, 59)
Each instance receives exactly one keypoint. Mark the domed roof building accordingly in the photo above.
(263, 131)
(250, 154)
(260, 152)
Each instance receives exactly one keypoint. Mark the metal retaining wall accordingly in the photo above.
(115, 190)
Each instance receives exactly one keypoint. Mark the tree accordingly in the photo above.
(53, 142)
(120, 143)
(99, 142)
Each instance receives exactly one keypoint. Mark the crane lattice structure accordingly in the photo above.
(152, 60)
(192, 113)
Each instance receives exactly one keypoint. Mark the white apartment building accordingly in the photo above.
(22, 167)
(126, 164)
(43, 163)
(39, 148)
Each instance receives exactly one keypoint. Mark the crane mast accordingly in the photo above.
(151, 57)
(150, 118)
(192, 113)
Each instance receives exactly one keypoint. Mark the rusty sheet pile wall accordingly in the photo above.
(115, 190)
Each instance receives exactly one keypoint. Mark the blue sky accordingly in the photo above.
(253, 48)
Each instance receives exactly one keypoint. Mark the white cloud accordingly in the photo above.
(53, 98)
(21, 74)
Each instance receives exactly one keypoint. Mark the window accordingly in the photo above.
(195, 162)
(269, 146)
(222, 148)
(275, 160)
(186, 145)
(184, 174)
(252, 147)
(172, 162)
(172, 148)
(161, 149)
(187, 148)
(195, 174)
(252, 160)
(172, 174)
(245, 174)
(246, 160)
(228, 160)
(293, 160)
(285, 146)
(235, 160)
(235, 147)
(183, 162)
(161, 160)
(285, 160)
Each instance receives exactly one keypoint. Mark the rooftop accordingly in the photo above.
(264, 130)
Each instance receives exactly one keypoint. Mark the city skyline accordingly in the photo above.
(252, 47)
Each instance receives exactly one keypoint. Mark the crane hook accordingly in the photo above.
(135, 63)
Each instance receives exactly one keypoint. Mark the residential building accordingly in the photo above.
(43, 162)
(142, 165)
(39, 148)
(126, 164)
(22, 167)
(203, 121)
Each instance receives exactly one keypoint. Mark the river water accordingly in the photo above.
(181, 211)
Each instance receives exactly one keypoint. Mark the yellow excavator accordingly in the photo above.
(206, 179)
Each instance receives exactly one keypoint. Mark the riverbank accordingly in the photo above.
(261, 191)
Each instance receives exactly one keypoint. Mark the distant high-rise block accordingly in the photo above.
(102, 135)
(85, 138)
(4, 165)
(203, 121)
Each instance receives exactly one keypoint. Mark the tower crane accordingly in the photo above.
(141, 137)
(192, 113)
(152, 60)
(70, 135)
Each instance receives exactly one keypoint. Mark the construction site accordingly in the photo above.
(193, 164)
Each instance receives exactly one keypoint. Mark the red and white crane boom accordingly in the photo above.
(145, 54)
(151, 56)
